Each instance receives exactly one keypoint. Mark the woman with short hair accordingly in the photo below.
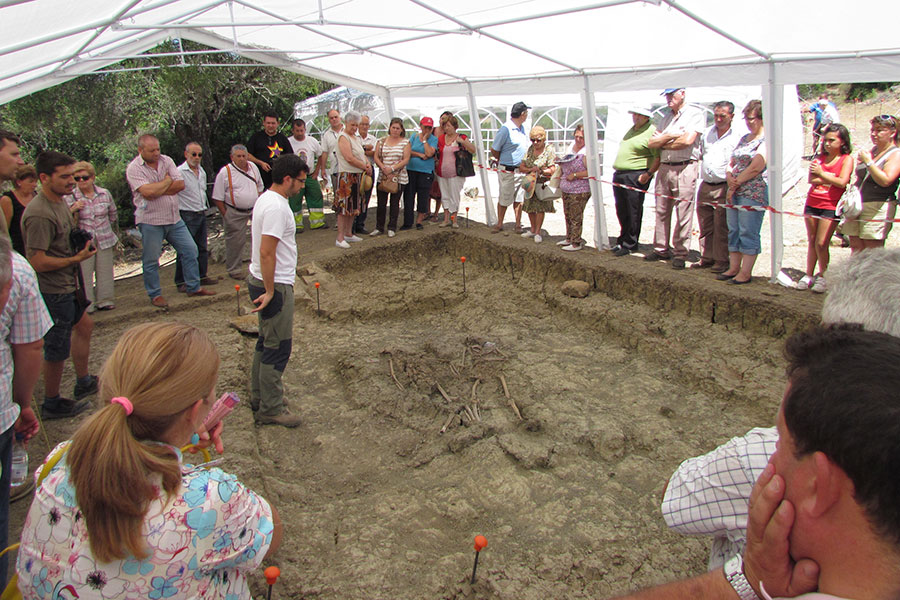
(416, 196)
(121, 515)
(352, 163)
(14, 202)
(748, 187)
(95, 210)
(540, 159)
(391, 156)
(449, 143)
(877, 174)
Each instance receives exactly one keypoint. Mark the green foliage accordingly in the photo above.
(99, 117)
(864, 91)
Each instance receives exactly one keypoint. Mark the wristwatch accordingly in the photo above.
(734, 573)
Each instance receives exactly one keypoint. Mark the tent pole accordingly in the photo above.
(773, 117)
(589, 113)
(490, 215)
(388, 99)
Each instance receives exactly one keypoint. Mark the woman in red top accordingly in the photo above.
(449, 142)
(829, 174)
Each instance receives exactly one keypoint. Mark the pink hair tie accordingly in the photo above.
(125, 402)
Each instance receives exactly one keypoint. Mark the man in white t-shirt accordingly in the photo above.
(309, 150)
(273, 264)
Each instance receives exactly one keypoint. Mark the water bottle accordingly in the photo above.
(19, 472)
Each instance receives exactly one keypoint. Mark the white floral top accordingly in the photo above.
(201, 543)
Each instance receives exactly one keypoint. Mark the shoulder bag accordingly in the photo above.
(464, 165)
(387, 184)
(850, 206)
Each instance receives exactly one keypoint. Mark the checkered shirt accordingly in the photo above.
(24, 319)
(709, 494)
(162, 210)
(97, 215)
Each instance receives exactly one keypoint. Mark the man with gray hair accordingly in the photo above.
(155, 182)
(24, 320)
(237, 186)
(192, 205)
(708, 495)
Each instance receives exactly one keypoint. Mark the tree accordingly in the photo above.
(99, 117)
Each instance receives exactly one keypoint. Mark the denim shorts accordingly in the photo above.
(66, 312)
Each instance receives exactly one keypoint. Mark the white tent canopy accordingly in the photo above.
(473, 48)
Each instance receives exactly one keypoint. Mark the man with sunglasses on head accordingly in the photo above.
(192, 205)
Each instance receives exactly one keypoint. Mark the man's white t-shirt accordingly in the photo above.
(308, 150)
(273, 216)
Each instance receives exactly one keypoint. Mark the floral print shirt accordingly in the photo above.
(544, 160)
(757, 188)
(201, 543)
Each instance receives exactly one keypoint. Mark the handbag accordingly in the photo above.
(389, 185)
(464, 165)
(850, 205)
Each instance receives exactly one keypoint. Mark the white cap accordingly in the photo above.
(641, 110)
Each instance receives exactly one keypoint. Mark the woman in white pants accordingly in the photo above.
(95, 210)
(449, 142)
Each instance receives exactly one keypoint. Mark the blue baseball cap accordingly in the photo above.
(670, 91)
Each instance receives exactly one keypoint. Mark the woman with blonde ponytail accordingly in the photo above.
(121, 515)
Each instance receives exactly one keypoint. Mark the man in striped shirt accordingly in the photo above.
(155, 182)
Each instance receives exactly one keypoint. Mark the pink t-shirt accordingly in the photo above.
(448, 161)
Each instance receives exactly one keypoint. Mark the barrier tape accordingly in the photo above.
(714, 204)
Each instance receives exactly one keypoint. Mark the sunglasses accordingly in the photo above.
(83, 178)
(196, 154)
(886, 120)
(536, 140)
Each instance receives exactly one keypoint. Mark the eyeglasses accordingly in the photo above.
(196, 154)
(886, 120)
(536, 140)
(82, 177)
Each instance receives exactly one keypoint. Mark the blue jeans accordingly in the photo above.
(196, 224)
(744, 226)
(180, 238)
(6, 442)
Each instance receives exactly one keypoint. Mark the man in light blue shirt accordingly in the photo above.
(192, 204)
(507, 152)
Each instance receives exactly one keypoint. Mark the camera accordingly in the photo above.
(78, 237)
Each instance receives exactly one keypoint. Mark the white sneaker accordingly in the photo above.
(374, 233)
(819, 286)
(537, 238)
(572, 248)
(527, 234)
(342, 244)
(352, 238)
(391, 233)
(805, 282)
(563, 243)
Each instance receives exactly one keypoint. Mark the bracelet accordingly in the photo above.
(869, 164)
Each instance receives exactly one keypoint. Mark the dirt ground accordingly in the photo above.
(614, 390)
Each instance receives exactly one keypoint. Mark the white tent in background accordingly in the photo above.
(473, 48)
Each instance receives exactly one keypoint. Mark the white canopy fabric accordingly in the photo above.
(472, 48)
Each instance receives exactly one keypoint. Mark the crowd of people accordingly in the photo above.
(56, 268)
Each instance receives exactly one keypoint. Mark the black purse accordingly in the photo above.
(464, 165)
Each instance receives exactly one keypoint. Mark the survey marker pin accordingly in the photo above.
(467, 217)
(271, 574)
(318, 306)
(462, 259)
(480, 544)
(237, 295)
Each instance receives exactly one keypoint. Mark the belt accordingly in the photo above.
(679, 164)
(509, 168)
(716, 183)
